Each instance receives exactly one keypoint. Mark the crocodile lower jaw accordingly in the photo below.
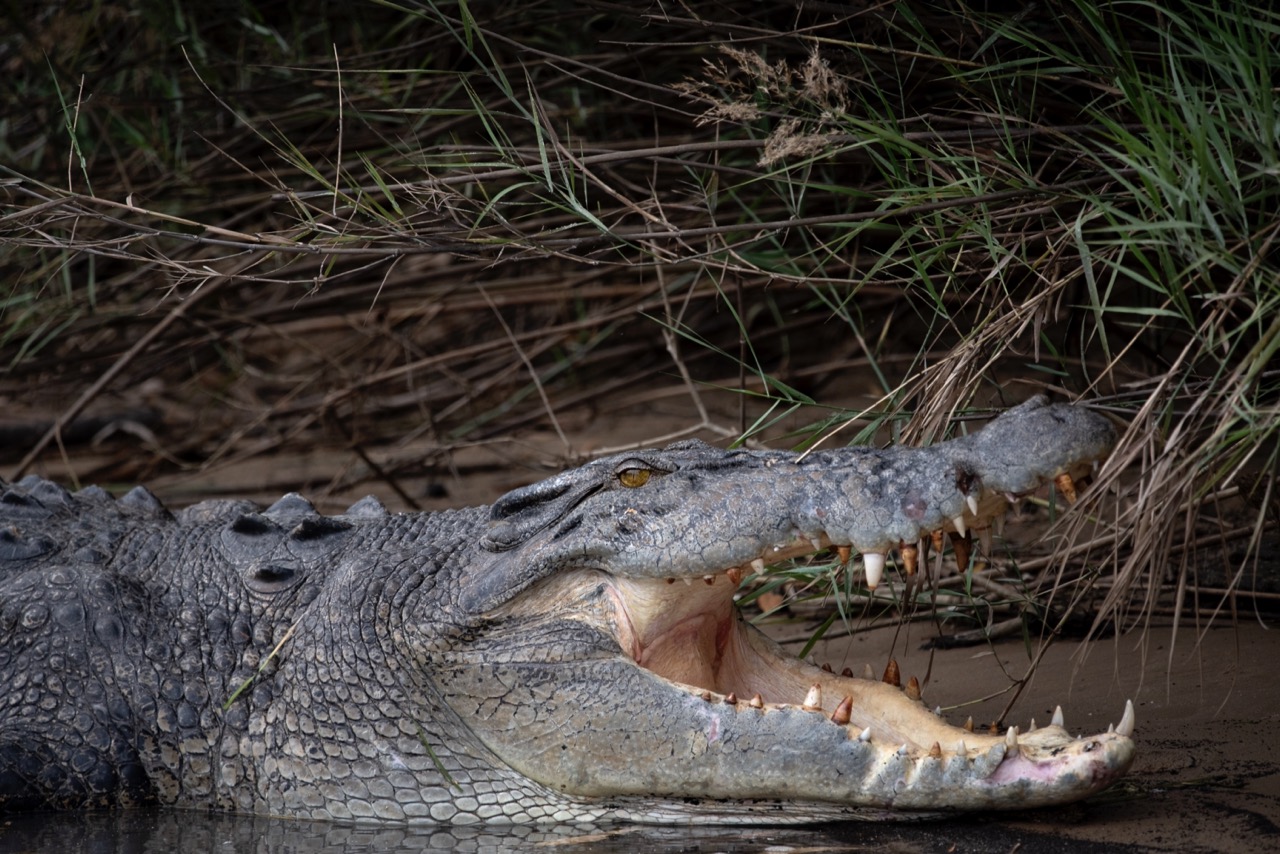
(692, 636)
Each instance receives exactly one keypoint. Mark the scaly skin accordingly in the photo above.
(536, 661)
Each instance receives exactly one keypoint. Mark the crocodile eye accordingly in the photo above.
(631, 478)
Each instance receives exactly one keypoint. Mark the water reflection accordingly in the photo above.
(151, 831)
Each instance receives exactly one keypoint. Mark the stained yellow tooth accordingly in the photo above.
(671, 581)
(708, 580)
(813, 700)
(734, 574)
(757, 566)
(843, 553)
(846, 673)
(968, 724)
(960, 544)
(913, 689)
(757, 702)
(936, 539)
(936, 751)
(843, 712)
(706, 696)
(731, 699)
(826, 665)
(891, 674)
(1067, 487)
(910, 558)
(873, 563)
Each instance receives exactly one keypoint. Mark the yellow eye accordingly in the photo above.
(631, 478)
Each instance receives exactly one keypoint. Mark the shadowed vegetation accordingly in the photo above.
(394, 234)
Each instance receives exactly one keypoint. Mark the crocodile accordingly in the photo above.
(572, 653)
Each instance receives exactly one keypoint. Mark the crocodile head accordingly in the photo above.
(619, 674)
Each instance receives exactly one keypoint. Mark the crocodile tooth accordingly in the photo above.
(936, 539)
(671, 581)
(984, 537)
(758, 566)
(1011, 738)
(958, 522)
(936, 750)
(731, 699)
(706, 696)
(960, 545)
(1127, 721)
(997, 524)
(826, 665)
(968, 724)
(867, 672)
(843, 712)
(1058, 719)
(961, 750)
(937, 711)
(913, 689)
(1067, 487)
(910, 558)
(688, 582)
(757, 702)
(972, 502)
(873, 563)
(734, 574)
(708, 580)
(813, 700)
(865, 735)
(843, 553)
(891, 674)
(1032, 727)
(903, 751)
(816, 542)
(846, 673)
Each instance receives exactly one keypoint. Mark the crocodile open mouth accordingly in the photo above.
(688, 631)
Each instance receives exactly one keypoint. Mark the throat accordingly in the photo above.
(679, 633)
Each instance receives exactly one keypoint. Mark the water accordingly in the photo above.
(159, 831)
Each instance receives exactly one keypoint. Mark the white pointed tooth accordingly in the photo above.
(962, 750)
(688, 582)
(972, 501)
(865, 735)
(873, 563)
(902, 751)
(1032, 728)
(1111, 729)
(960, 527)
(1125, 728)
(813, 700)
(1011, 738)
(937, 711)
(757, 566)
(1058, 719)
(997, 524)
(867, 672)
(816, 543)
(984, 537)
